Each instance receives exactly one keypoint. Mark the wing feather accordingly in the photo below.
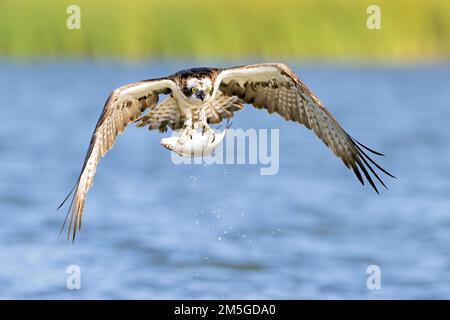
(277, 89)
(123, 106)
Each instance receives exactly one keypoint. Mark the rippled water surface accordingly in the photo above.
(153, 229)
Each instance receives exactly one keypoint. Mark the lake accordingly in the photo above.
(153, 229)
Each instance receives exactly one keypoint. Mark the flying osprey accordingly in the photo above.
(198, 97)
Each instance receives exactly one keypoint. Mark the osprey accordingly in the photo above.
(199, 97)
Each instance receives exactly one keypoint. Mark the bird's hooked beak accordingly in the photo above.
(200, 94)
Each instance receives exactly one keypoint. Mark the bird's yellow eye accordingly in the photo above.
(194, 90)
(210, 90)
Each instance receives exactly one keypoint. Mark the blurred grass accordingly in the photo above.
(138, 29)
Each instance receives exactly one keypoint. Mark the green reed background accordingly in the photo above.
(138, 29)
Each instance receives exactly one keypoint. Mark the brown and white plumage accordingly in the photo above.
(276, 88)
(273, 87)
(167, 113)
(123, 106)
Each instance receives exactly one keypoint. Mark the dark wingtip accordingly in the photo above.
(363, 154)
(358, 174)
(363, 161)
(367, 175)
(67, 197)
(371, 169)
(367, 148)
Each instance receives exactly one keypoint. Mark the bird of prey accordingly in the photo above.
(199, 97)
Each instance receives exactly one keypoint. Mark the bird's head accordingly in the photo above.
(198, 90)
(168, 143)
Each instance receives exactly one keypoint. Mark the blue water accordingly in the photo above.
(156, 230)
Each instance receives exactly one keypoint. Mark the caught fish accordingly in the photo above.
(201, 144)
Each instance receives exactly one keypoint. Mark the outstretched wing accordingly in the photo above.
(123, 106)
(277, 89)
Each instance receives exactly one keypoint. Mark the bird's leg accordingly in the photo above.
(188, 128)
(203, 119)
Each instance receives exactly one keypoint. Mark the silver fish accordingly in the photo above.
(201, 145)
